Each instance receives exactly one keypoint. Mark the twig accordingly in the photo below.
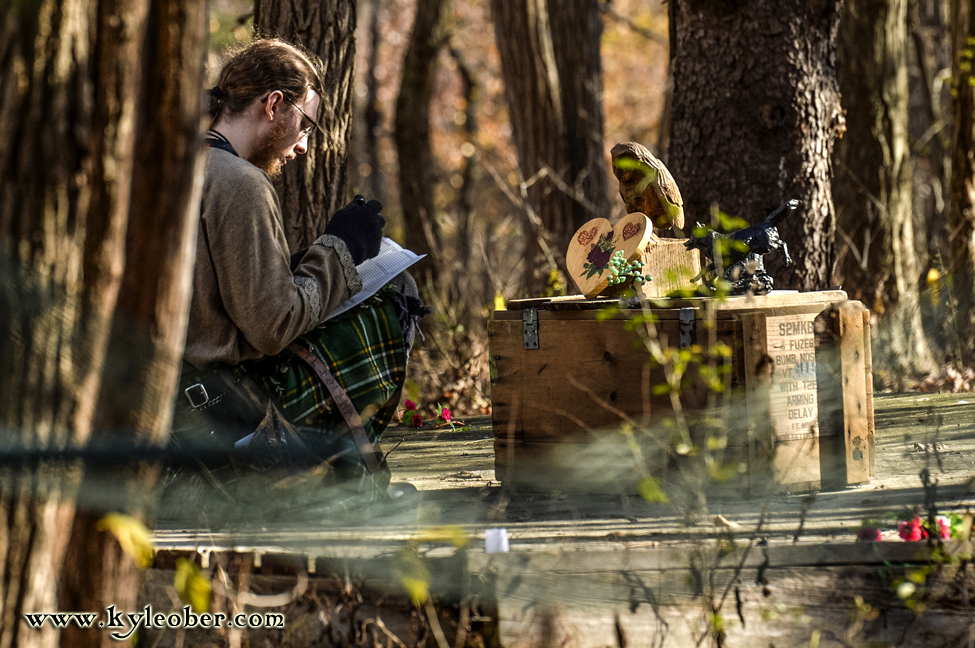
(377, 622)
(606, 9)
(435, 624)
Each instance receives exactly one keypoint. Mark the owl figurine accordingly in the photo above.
(647, 186)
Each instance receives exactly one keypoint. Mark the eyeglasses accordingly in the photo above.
(305, 132)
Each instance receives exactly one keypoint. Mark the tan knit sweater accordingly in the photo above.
(246, 301)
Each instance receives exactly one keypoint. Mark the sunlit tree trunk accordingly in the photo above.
(553, 81)
(872, 190)
(417, 174)
(65, 168)
(312, 188)
(71, 75)
(754, 114)
(961, 210)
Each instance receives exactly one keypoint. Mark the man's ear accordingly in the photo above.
(273, 104)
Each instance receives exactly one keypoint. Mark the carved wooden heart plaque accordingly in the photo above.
(593, 245)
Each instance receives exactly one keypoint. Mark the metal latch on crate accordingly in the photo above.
(529, 320)
(687, 325)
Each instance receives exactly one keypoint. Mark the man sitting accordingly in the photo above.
(263, 369)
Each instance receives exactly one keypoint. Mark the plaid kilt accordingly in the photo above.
(364, 349)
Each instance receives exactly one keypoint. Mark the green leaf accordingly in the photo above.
(722, 472)
(650, 490)
(730, 223)
(607, 312)
(717, 443)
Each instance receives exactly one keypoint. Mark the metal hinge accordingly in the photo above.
(687, 326)
(529, 320)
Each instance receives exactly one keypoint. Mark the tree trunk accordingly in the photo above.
(69, 111)
(553, 81)
(373, 113)
(961, 211)
(755, 110)
(143, 359)
(930, 48)
(66, 154)
(312, 188)
(872, 190)
(412, 135)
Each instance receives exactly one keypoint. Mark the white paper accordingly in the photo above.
(379, 271)
(496, 540)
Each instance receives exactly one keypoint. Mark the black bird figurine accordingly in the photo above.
(742, 252)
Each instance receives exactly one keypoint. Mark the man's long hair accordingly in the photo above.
(260, 68)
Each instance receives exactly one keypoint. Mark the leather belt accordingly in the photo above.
(344, 404)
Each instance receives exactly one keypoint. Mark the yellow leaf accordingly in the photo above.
(413, 575)
(417, 588)
(192, 586)
(133, 537)
(454, 534)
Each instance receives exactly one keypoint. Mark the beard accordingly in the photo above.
(269, 156)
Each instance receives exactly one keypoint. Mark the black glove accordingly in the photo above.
(360, 225)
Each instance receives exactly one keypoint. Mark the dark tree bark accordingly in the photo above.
(148, 330)
(755, 110)
(465, 196)
(872, 190)
(70, 74)
(312, 188)
(373, 113)
(961, 210)
(417, 166)
(553, 81)
(930, 42)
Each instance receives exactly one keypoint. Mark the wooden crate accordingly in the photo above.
(576, 402)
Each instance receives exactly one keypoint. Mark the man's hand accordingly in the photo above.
(360, 225)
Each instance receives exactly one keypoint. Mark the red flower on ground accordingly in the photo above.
(868, 534)
(416, 421)
(911, 531)
(944, 527)
(445, 415)
(410, 405)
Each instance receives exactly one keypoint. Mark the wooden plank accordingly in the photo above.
(868, 385)
(855, 404)
(671, 265)
(775, 299)
(830, 399)
(793, 399)
(757, 371)
(660, 600)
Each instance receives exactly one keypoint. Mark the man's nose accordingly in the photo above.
(302, 146)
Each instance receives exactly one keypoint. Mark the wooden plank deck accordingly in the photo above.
(608, 570)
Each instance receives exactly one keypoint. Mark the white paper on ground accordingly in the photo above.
(496, 540)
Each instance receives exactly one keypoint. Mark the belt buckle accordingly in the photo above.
(197, 395)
